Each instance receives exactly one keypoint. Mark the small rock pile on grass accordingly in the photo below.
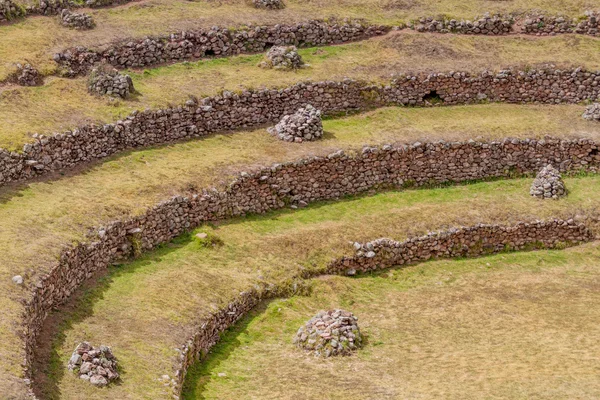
(80, 21)
(27, 75)
(592, 112)
(269, 4)
(304, 124)
(282, 57)
(330, 333)
(105, 80)
(96, 365)
(548, 184)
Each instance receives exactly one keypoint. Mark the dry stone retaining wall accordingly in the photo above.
(215, 41)
(252, 108)
(309, 180)
(10, 11)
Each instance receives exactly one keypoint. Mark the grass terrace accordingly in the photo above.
(506, 326)
(147, 308)
(63, 104)
(39, 218)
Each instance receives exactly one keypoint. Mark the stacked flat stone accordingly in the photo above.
(108, 81)
(96, 365)
(73, 20)
(592, 112)
(330, 333)
(9, 10)
(487, 25)
(282, 57)
(269, 4)
(304, 124)
(548, 184)
(543, 25)
(27, 75)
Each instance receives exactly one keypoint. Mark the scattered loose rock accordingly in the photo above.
(592, 112)
(27, 75)
(73, 20)
(97, 365)
(106, 80)
(282, 57)
(269, 4)
(304, 124)
(330, 333)
(548, 184)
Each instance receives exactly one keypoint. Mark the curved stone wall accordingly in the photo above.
(253, 108)
(475, 241)
(220, 42)
(309, 180)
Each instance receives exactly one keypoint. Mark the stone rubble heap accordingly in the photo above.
(282, 57)
(592, 112)
(27, 75)
(49, 7)
(304, 124)
(330, 333)
(96, 365)
(73, 20)
(105, 80)
(488, 25)
(548, 184)
(269, 4)
(9, 10)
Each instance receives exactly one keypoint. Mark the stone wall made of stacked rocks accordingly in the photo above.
(487, 25)
(9, 10)
(544, 25)
(214, 42)
(473, 241)
(252, 108)
(309, 180)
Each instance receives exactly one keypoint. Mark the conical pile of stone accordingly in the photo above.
(330, 333)
(282, 57)
(304, 124)
(96, 365)
(27, 75)
(73, 20)
(269, 4)
(548, 184)
(106, 80)
(592, 112)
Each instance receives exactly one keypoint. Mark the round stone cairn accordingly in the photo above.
(592, 112)
(27, 75)
(282, 57)
(96, 365)
(80, 21)
(548, 184)
(330, 333)
(269, 4)
(304, 124)
(106, 80)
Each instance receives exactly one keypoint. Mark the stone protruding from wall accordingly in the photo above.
(253, 108)
(105, 80)
(330, 333)
(592, 112)
(304, 125)
(95, 365)
(9, 10)
(472, 241)
(80, 21)
(269, 4)
(487, 25)
(219, 42)
(548, 184)
(27, 75)
(282, 57)
(544, 25)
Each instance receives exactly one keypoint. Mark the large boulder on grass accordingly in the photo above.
(304, 124)
(96, 365)
(105, 80)
(282, 57)
(330, 333)
(592, 112)
(548, 184)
